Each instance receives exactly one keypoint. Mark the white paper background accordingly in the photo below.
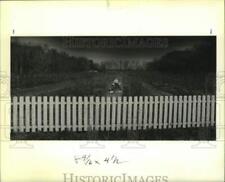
(48, 160)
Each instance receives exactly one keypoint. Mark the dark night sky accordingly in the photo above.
(110, 54)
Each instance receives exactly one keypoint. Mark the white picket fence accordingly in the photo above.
(32, 114)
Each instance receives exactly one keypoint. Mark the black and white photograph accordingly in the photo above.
(113, 88)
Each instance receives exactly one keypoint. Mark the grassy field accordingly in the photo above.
(150, 134)
(134, 83)
(84, 84)
(178, 84)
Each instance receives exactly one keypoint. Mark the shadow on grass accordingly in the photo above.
(203, 133)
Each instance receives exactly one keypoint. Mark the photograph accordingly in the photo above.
(113, 87)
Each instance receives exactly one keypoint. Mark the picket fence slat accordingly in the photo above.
(102, 113)
(129, 112)
(21, 113)
(15, 114)
(45, 113)
(62, 112)
(165, 112)
(184, 112)
(194, 111)
(33, 110)
(145, 112)
(213, 110)
(189, 111)
(27, 113)
(57, 113)
(124, 112)
(91, 113)
(140, 113)
(85, 114)
(150, 119)
(170, 111)
(97, 103)
(118, 113)
(80, 111)
(208, 110)
(113, 113)
(135, 113)
(198, 111)
(155, 112)
(180, 101)
(48, 113)
(175, 112)
(108, 103)
(51, 113)
(68, 113)
(203, 111)
(74, 117)
(160, 111)
(39, 112)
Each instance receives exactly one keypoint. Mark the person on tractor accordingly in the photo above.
(116, 85)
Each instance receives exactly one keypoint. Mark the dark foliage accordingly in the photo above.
(27, 60)
(201, 58)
